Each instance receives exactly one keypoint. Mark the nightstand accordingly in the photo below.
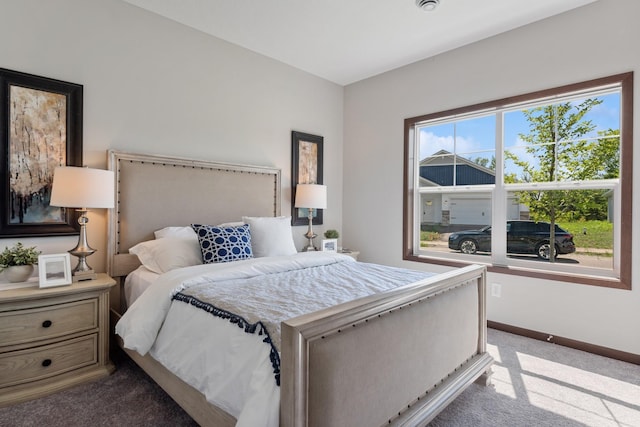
(53, 338)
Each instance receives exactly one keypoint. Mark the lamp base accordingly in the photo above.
(310, 235)
(79, 276)
(82, 251)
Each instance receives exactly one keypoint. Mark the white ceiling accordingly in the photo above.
(349, 40)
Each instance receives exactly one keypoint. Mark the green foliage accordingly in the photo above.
(429, 236)
(556, 139)
(485, 162)
(573, 205)
(331, 234)
(590, 234)
(18, 255)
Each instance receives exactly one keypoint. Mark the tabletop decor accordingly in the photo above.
(54, 270)
(17, 262)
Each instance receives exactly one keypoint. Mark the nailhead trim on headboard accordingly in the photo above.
(206, 192)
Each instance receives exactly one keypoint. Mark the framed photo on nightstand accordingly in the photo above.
(54, 270)
(330, 245)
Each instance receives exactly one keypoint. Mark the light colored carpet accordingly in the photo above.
(534, 384)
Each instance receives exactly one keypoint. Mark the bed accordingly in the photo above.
(395, 357)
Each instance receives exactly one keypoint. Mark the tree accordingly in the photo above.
(485, 162)
(561, 151)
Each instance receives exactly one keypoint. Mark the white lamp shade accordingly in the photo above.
(311, 196)
(76, 187)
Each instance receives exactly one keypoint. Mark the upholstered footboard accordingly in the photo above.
(394, 358)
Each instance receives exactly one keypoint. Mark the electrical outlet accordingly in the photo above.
(496, 290)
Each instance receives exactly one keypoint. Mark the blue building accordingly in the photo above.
(444, 169)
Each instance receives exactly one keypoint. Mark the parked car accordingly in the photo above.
(523, 237)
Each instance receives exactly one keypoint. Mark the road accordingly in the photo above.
(579, 257)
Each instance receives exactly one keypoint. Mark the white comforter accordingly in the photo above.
(239, 379)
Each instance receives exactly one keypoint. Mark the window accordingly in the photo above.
(497, 183)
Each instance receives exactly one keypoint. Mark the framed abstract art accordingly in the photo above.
(40, 129)
(306, 168)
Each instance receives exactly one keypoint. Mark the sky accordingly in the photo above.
(476, 137)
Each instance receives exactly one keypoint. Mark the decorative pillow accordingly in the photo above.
(271, 236)
(224, 244)
(231, 224)
(175, 232)
(162, 255)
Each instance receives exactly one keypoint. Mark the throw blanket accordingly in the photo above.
(259, 304)
(140, 325)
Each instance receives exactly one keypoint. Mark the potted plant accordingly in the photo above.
(331, 234)
(17, 262)
(330, 242)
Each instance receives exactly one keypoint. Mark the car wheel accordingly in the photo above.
(468, 246)
(543, 251)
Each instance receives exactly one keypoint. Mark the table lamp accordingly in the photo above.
(82, 188)
(311, 196)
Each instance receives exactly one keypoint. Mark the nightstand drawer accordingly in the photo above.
(23, 326)
(17, 367)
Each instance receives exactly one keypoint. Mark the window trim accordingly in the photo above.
(625, 80)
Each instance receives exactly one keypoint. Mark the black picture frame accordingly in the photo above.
(306, 168)
(40, 128)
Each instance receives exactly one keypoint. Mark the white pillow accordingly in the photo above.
(271, 236)
(184, 232)
(169, 253)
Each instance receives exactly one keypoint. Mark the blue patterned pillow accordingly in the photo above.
(222, 243)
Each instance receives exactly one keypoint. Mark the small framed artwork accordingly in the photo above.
(40, 129)
(330, 245)
(54, 270)
(306, 168)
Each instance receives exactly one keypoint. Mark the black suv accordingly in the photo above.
(523, 237)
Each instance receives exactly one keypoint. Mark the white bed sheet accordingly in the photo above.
(137, 282)
(234, 372)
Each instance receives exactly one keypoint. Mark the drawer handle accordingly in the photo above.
(47, 323)
(46, 362)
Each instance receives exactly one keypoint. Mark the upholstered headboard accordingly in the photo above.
(153, 192)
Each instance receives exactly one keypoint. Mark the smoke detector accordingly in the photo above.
(427, 5)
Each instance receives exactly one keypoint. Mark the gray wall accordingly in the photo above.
(593, 41)
(154, 86)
